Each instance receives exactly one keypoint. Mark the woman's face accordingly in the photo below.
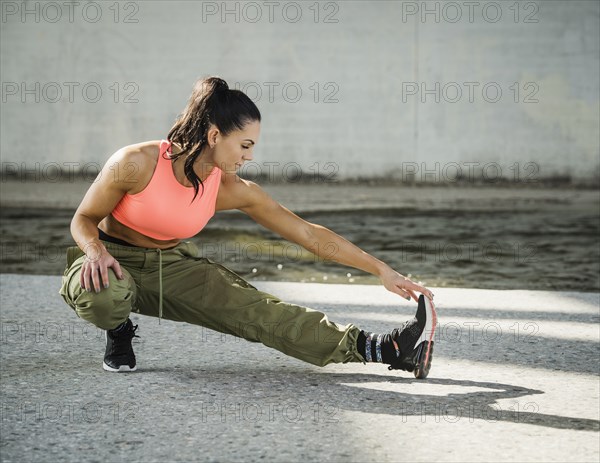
(233, 150)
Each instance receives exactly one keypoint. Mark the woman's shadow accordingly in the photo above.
(387, 395)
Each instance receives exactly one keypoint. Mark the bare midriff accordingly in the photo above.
(113, 227)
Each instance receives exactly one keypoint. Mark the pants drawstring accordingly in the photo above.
(160, 285)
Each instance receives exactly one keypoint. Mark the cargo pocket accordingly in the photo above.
(229, 275)
(73, 253)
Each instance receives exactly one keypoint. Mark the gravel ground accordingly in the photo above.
(493, 237)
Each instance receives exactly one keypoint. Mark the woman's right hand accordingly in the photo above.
(94, 271)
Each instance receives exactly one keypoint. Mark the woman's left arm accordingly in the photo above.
(319, 240)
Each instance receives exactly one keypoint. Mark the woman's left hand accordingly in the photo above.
(404, 286)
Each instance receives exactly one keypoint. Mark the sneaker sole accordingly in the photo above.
(424, 357)
(425, 342)
(121, 369)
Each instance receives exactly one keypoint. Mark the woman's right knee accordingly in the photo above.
(109, 307)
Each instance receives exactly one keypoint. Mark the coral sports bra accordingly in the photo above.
(163, 210)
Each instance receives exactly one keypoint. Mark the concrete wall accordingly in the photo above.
(367, 59)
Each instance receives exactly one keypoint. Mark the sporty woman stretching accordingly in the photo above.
(131, 255)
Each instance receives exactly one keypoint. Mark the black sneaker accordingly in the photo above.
(414, 341)
(119, 354)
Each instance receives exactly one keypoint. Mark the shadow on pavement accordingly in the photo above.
(359, 393)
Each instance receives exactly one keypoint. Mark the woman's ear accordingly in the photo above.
(212, 136)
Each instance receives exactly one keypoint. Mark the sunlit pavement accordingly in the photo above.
(515, 377)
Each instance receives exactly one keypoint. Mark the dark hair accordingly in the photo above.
(211, 102)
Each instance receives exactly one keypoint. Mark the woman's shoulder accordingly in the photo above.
(236, 192)
(143, 151)
(231, 180)
(135, 163)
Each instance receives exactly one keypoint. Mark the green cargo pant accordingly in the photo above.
(177, 284)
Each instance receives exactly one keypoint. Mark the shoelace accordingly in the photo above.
(123, 340)
(133, 330)
(128, 333)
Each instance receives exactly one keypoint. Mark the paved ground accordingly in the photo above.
(515, 378)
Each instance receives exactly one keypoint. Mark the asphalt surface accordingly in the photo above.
(515, 377)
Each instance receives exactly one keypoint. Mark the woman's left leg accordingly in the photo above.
(202, 292)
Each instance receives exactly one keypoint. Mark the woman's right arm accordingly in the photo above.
(101, 198)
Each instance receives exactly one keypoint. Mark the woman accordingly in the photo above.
(150, 196)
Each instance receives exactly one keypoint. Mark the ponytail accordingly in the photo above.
(211, 102)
